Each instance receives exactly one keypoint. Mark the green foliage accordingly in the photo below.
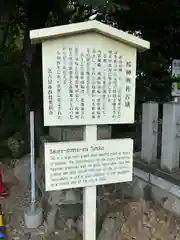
(157, 22)
(154, 20)
(93, 3)
(11, 80)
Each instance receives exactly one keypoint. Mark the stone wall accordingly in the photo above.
(146, 185)
(75, 133)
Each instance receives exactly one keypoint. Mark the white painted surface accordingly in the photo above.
(149, 131)
(88, 80)
(176, 74)
(40, 35)
(80, 164)
(89, 194)
(170, 139)
(89, 213)
(33, 174)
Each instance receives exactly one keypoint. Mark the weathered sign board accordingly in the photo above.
(89, 72)
(85, 83)
(79, 164)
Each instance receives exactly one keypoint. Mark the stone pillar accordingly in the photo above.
(75, 133)
(56, 133)
(104, 132)
(149, 132)
(170, 139)
(72, 133)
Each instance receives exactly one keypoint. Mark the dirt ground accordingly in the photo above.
(140, 220)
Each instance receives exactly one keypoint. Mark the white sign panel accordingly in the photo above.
(85, 85)
(176, 74)
(79, 164)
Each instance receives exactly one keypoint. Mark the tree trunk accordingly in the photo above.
(37, 15)
(5, 14)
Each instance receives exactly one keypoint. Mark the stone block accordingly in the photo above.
(22, 169)
(170, 138)
(149, 132)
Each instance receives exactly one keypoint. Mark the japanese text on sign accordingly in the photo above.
(90, 86)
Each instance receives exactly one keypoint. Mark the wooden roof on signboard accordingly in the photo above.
(43, 34)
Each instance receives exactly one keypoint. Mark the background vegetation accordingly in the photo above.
(157, 21)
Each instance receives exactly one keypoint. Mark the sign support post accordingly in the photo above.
(89, 194)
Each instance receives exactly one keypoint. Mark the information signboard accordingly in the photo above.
(80, 164)
(89, 72)
(85, 84)
(176, 75)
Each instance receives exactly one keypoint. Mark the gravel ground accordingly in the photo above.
(19, 201)
(14, 207)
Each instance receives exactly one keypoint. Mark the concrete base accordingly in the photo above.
(33, 219)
